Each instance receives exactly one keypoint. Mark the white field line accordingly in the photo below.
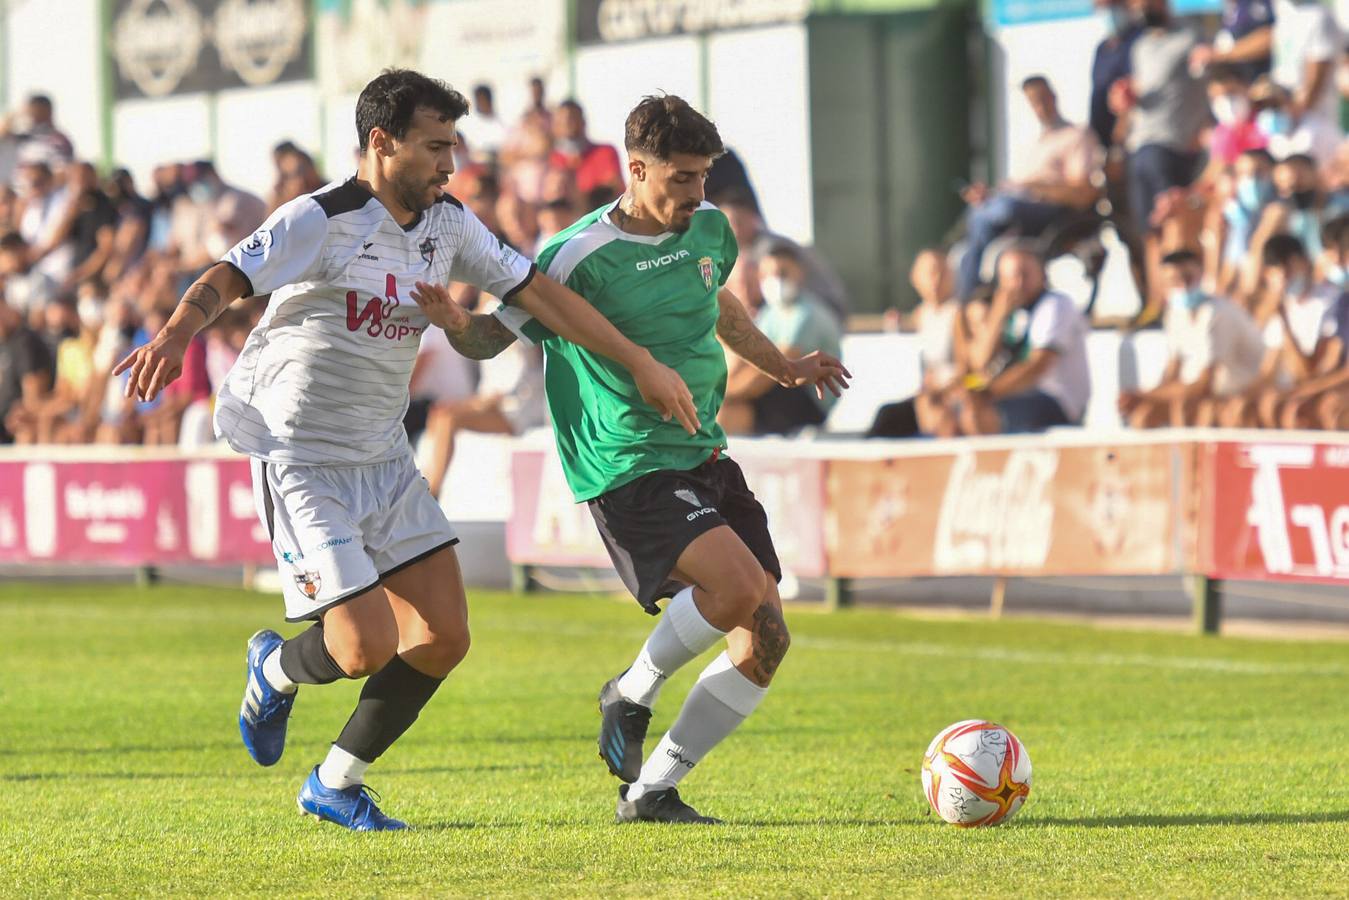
(992, 654)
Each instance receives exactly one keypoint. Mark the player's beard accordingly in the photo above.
(414, 194)
(682, 219)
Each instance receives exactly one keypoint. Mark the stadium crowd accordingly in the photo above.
(1221, 164)
(1218, 160)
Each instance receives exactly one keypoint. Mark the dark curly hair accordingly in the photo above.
(663, 126)
(390, 100)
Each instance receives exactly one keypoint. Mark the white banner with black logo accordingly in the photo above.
(610, 21)
(162, 47)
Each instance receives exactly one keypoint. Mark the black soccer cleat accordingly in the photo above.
(623, 727)
(659, 806)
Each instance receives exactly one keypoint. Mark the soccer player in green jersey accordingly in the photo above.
(672, 508)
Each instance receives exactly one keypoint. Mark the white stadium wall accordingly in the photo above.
(149, 132)
(52, 47)
(250, 121)
(611, 78)
(758, 93)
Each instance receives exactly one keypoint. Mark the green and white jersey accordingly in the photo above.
(660, 291)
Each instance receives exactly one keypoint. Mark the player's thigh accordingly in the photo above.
(720, 563)
(429, 602)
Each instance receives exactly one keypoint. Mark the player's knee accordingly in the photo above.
(366, 655)
(744, 589)
(445, 649)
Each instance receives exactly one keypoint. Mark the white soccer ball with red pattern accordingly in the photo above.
(976, 773)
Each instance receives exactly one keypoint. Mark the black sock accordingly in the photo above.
(305, 659)
(389, 704)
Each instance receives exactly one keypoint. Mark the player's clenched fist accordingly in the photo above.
(153, 366)
(440, 308)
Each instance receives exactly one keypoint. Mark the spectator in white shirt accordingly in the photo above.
(1031, 353)
(1291, 336)
(1214, 351)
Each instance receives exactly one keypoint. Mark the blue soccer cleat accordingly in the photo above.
(265, 710)
(352, 807)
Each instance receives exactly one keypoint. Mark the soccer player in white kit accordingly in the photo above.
(317, 398)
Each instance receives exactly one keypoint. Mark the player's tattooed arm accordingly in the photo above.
(205, 298)
(484, 337)
(738, 331)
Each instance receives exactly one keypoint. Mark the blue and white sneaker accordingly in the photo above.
(352, 807)
(265, 710)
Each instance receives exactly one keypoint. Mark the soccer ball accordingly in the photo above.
(976, 773)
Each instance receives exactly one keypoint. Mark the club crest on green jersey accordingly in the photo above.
(705, 267)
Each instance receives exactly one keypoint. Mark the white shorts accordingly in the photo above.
(337, 531)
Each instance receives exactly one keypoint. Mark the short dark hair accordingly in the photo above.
(784, 249)
(394, 96)
(1282, 249)
(41, 100)
(12, 240)
(1181, 258)
(482, 90)
(1261, 154)
(1299, 159)
(664, 126)
(1036, 81)
(571, 103)
(1335, 234)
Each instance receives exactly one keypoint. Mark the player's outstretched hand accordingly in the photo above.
(662, 388)
(440, 307)
(821, 370)
(153, 366)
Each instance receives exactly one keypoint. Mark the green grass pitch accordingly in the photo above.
(1164, 765)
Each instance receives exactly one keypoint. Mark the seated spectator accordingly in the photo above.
(34, 130)
(1055, 182)
(1029, 354)
(799, 324)
(941, 346)
(594, 165)
(90, 227)
(755, 239)
(1235, 131)
(1298, 209)
(26, 290)
(728, 179)
(132, 233)
(45, 205)
(26, 369)
(211, 217)
(1214, 352)
(1306, 43)
(1291, 336)
(41, 422)
(296, 174)
(161, 422)
(1320, 401)
(519, 222)
(524, 177)
(1287, 135)
(1229, 235)
(485, 132)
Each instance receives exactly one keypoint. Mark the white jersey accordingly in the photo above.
(323, 378)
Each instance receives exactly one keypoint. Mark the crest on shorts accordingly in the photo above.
(428, 249)
(309, 583)
(705, 267)
(688, 497)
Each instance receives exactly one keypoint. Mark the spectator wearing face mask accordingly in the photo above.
(1288, 134)
(1235, 131)
(40, 421)
(1252, 190)
(26, 289)
(799, 324)
(1214, 352)
(1291, 336)
(1029, 355)
(1298, 209)
(212, 217)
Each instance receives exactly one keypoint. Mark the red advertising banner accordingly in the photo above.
(1276, 511)
(130, 512)
(547, 528)
(1033, 510)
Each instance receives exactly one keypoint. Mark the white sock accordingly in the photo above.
(340, 770)
(271, 670)
(721, 699)
(681, 635)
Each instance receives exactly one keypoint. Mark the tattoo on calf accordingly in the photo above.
(771, 640)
